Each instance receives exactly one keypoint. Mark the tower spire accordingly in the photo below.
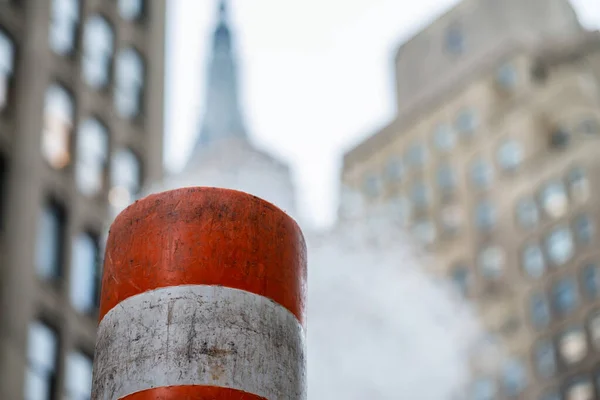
(222, 117)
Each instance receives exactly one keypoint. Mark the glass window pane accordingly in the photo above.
(92, 157)
(125, 178)
(42, 349)
(594, 328)
(84, 273)
(514, 377)
(491, 262)
(451, 218)
(539, 310)
(98, 49)
(482, 173)
(417, 155)
(63, 26)
(420, 194)
(485, 216)
(591, 280)
(533, 261)
(462, 279)
(78, 379)
(58, 126)
(565, 295)
(394, 169)
(507, 76)
(580, 389)
(50, 241)
(573, 345)
(466, 122)
(527, 213)
(545, 358)
(554, 199)
(579, 185)
(559, 245)
(372, 185)
(510, 155)
(131, 9)
(444, 137)
(584, 229)
(7, 54)
(129, 80)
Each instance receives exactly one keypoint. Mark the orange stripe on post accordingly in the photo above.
(205, 236)
(192, 393)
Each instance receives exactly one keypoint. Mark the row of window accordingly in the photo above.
(92, 150)
(560, 248)
(42, 367)
(96, 69)
(84, 281)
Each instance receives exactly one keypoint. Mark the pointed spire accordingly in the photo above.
(222, 117)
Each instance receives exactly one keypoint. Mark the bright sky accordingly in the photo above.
(316, 77)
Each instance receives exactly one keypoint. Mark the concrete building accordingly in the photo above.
(224, 154)
(81, 126)
(492, 163)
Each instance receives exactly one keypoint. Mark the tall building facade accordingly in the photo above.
(224, 154)
(492, 164)
(81, 126)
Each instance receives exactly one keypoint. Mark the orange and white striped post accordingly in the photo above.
(203, 297)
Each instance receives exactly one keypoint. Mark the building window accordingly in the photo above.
(444, 137)
(455, 41)
(485, 216)
(594, 329)
(462, 279)
(59, 115)
(394, 169)
(451, 219)
(372, 186)
(92, 157)
(540, 311)
(131, 10)
(129, 81)
(42, 350)
(466, 123)
(98, 49)
(528, 215)
(580, 389)
(565, 295)
(506, 76)
(417, 155)
(78, 379)
(401, 209)
(591, 280)
(7, 67)
(484, 389)
(482, 173)
(424, 230)
(85, 274)
(579, 185)
(551, 395)
(421, 195)
(533, 261)
(491, 262)
(584, 229)
(510, 155)
(554, 199)
(559, 245)
(126, 178)
(559, 139)
(50, 241)
(573, 346)
(63, 26)
(545, 358)
(514, 377)
(446, 178)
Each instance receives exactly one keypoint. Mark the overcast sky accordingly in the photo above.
(316, 77)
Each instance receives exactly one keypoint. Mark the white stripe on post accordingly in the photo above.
(200, 335)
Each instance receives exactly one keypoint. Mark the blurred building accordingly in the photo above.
(224, 154)
(81, 121)
(492, 162)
